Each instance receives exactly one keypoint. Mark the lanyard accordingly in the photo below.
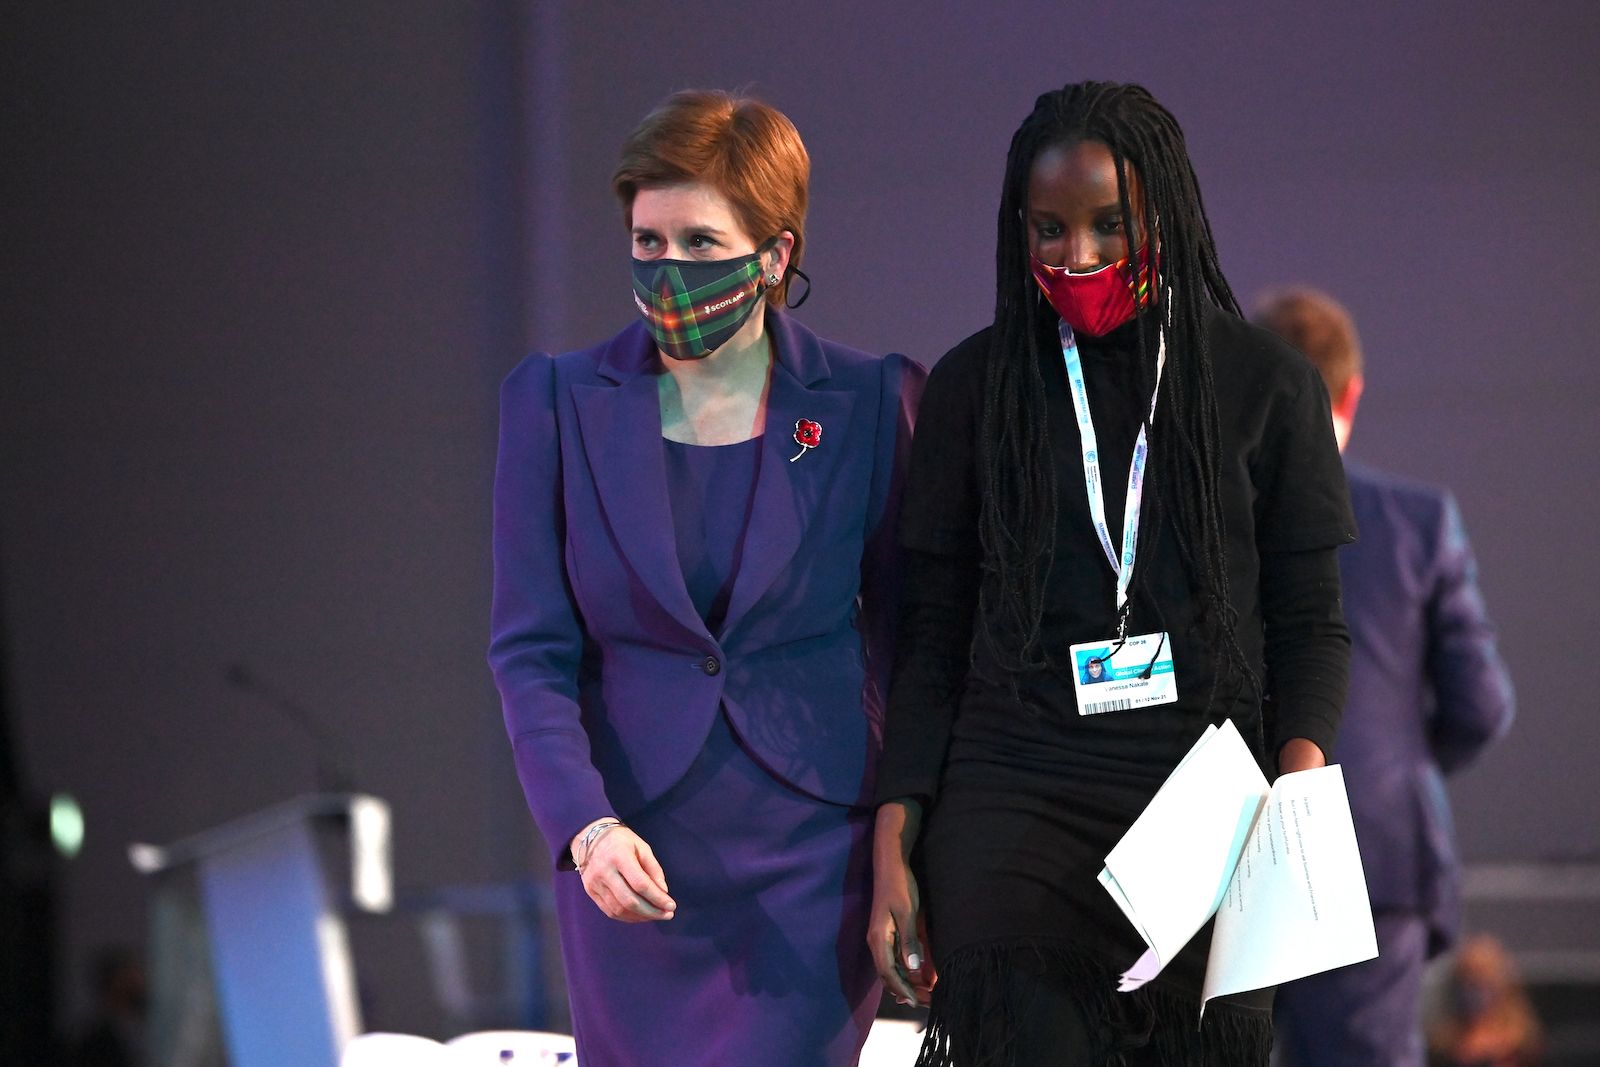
(1123, 564)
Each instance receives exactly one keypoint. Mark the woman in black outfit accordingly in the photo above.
(1000, 787)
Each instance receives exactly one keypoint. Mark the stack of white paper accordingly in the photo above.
(1279, 862)
(1297, 904)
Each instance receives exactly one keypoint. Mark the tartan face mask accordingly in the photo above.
(692, 307)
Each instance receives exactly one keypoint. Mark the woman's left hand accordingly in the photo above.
(1298, 754)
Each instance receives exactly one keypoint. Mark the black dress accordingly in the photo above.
(1024, 797)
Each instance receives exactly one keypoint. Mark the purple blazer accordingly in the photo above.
(609, 679)
(1428, 690)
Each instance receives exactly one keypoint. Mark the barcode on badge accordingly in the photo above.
(1107, 705)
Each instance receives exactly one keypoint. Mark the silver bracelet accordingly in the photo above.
(586, 842)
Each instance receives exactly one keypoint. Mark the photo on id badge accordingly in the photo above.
(1092, 665)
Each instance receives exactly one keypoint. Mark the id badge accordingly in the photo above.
(1137, 675)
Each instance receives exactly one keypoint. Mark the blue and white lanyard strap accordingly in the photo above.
(1121, 564)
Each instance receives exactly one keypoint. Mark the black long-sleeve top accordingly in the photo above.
(954, 713)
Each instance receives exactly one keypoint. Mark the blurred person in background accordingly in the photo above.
(1482, 1017)
(115, 1035)
(1428, 693)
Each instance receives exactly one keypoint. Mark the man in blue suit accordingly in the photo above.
(1428, 693)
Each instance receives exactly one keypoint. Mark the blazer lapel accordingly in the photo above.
(621, 428)
(787, 493)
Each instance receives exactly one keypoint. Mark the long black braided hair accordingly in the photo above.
(1017, 524)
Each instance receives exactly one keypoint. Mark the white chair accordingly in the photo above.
(512, 1048)
(892, 1043)
(393, 1050)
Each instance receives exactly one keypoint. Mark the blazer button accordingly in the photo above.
(711, 666)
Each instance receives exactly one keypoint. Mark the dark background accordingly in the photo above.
(264, 264)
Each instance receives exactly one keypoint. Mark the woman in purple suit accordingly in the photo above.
(694, 600)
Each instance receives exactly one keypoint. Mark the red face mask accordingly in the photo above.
(1097, 301)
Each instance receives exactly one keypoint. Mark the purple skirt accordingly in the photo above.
(766, 960)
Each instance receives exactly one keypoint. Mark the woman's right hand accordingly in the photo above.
(621, 875)
(895, 933)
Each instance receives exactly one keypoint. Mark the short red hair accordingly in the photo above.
(1319, 326)
(746, 150)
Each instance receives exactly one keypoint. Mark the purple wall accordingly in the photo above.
(264, 263)
(1430, 164)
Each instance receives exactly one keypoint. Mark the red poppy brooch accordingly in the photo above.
(807, 435)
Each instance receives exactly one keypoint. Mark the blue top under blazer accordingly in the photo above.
(609, 678)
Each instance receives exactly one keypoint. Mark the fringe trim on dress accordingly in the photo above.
(974, 1018)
